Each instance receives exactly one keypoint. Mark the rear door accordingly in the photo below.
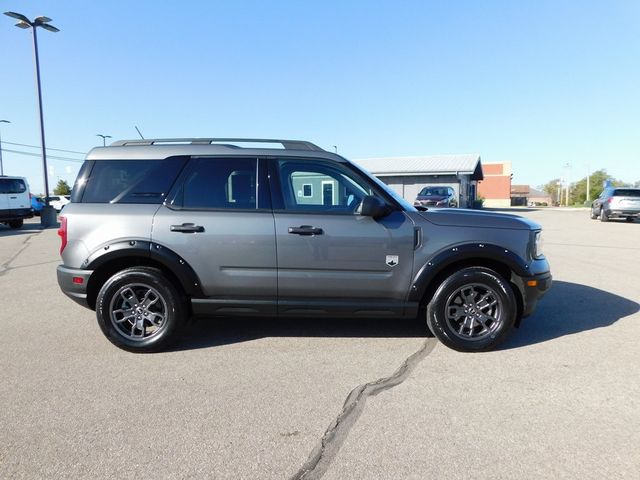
(4, 193)
(330, 258)
(219, 220)
(18, 195)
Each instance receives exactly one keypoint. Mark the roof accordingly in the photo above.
(425, 165)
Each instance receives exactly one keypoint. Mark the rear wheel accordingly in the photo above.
(16, 223)
(472, 310)
(140, 310)
(603, 216)
(630, 219)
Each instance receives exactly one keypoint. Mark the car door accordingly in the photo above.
(330, 258)
(218, 219)
(18, 197)
(4, 193)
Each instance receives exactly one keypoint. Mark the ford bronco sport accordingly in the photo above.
(158, 231)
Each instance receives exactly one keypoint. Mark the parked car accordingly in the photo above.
(617, 202)
(436, 197)
(15, 204)
(159, 230)
(36, 204)
(59, 201)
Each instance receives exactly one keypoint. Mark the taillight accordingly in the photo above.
(610, 199)
(62, 231)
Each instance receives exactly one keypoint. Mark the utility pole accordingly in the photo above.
(1, 167)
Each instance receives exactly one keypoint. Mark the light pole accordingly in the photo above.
(48, 214)
(104, 138)
(1, 167)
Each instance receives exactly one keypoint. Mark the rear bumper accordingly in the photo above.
(75, 290)
(15, 214)
(533, 289)
(623, 212)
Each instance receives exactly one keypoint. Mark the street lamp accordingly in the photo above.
(1, 167)
(104, 138)
(48, 214)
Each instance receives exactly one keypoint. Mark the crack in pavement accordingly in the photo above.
(4, 267)
(323, 454)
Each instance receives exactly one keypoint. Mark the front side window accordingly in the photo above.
(315, 185)
(219, 183)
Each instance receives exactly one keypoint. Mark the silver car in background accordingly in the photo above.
(617, 202)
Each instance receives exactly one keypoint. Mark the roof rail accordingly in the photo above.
(287, 144)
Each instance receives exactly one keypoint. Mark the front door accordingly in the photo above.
(330, 258)
(220, 222)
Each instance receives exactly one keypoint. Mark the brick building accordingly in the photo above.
(495, 188)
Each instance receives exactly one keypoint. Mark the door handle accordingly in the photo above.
(187, 228)
(305, 230)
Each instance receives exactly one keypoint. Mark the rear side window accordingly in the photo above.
(219, 183)
(12, 185)
(626, 192)
(131, 181)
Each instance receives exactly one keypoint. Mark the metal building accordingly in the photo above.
(408, 175)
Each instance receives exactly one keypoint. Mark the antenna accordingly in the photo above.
(138, 130)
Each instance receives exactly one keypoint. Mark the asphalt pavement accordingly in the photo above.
(337, 399)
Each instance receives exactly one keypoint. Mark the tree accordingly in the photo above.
(62, 188)
(596, 180)
(552, 188)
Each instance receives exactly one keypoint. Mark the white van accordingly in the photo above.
(15, 203)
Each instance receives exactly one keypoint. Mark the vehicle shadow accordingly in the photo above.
(212, 332)
(27, 229)
(570, 308)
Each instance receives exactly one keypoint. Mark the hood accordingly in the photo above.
(460, 217)
(435, 198)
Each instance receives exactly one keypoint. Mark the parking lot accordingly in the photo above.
(341, 399)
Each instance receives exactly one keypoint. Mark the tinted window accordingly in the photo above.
(320, 186)
(12, 185)
(218, 183)
(131, 181)
(626, 192)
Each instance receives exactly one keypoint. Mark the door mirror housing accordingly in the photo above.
(373, 207)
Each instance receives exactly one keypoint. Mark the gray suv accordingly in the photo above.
(158, 231)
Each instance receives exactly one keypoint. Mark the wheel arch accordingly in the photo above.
(135, 253)
(509, 265)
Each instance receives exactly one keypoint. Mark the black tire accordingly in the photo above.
(593, 215)
(497, 319)
(630, 219)
(163, 302)
(16, 224)
(603, 216)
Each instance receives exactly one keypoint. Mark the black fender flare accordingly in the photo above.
(152, 251)
(441, 260)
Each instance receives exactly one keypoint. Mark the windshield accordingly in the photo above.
(434, 191)
(392, 193)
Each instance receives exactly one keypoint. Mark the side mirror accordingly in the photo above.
(373, 207)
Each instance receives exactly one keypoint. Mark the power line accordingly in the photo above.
(48, 148)
(54, 157)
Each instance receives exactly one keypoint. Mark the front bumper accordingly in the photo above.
(533, 289)
(75, 290)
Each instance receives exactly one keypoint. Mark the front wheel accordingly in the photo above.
(593, 215)
(140, 310)
(472, 310)
(630, 219)
(16, 224)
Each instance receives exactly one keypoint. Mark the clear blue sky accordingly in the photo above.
(537, 83)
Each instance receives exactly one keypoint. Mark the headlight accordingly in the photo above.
(537, 245)
(441, 203)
